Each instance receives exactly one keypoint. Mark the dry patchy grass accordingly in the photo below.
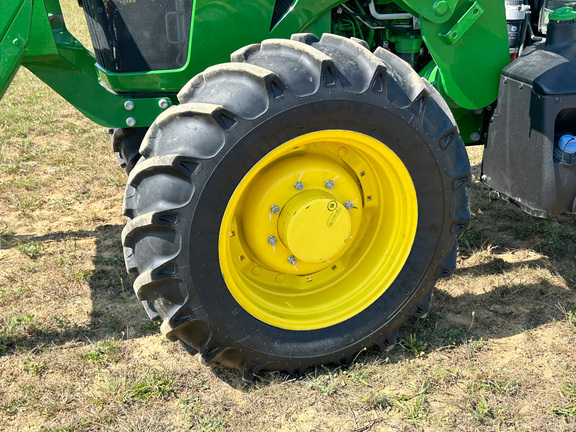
(77, 352)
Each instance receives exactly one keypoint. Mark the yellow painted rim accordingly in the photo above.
(318, 230)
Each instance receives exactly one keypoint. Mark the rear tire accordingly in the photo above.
(212, 168)
(125, 144)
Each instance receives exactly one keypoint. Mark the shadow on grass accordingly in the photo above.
(115, 311)
(500, 295)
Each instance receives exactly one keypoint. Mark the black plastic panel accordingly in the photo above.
(536, 106)
(139, 36)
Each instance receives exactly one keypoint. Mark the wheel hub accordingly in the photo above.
(314, 226)
(306, 241)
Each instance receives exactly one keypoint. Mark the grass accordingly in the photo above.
(568, 409)
(104, 352)
(126, 388)
(412, 344)
(31, 249)
(77, 352)
(199, 420)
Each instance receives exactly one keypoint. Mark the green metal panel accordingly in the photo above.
(14, 33)
(470, 50)
(470, 122)
(436, 11)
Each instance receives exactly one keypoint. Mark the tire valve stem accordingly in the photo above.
(298, 185)
(272, 240)
(292, 260)
(274, 209)
(329, 184)
(348, 205)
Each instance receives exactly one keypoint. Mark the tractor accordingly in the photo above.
(297, 169)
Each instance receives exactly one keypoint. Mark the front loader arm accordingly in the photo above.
(14, 34)
(33, 34)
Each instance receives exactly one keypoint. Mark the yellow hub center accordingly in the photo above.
(314, 226)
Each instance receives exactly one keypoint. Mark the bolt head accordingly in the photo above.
(475, 137)
(131, 122)
(299, 185)
(292, 260)
(348, 205)
(163, 103)
(272, 240)
(274, 209)
(329, 184)
(129, 105)
(440, 7)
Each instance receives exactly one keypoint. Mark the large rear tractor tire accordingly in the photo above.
(297, 206)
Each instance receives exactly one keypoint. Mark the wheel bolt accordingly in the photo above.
(272, 240)
(348, 205)
(274, 209)
(329, 184)
(292, 260)
(298, 185)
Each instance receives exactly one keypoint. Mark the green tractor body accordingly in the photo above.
(140, 52)
(296, 205)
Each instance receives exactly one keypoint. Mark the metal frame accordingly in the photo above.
(467, 39)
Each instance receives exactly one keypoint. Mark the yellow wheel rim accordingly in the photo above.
(318, 230)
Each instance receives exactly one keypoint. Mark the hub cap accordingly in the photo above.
(314, 226)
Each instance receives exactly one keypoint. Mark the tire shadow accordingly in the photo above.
(114, 313)
(515, 273)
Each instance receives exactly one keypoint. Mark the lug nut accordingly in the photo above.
(475, 137)
(272, 240)
(292, 260)
(329, 184)
(274, 209)
(299, 185)
(348, 205)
